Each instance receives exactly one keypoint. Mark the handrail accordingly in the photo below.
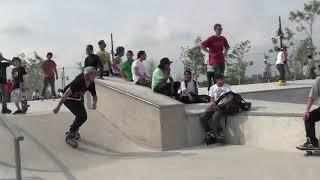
(17, 138)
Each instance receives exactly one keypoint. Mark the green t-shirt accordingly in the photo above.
(157, 76)
(126, 68)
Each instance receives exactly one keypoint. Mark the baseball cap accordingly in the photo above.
(165, 61)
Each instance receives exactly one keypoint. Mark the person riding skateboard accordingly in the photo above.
(310, 117)
(73, 100)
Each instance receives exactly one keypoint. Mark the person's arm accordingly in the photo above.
(62, 100)
(205, 49)
(95, 101)
(309, 105)
(55, 71)
(137, 73)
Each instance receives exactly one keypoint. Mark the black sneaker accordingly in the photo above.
(17, 112)
(220, 138)
(6, 111)
(210, 139)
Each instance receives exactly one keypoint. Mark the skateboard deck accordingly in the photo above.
(309, 151)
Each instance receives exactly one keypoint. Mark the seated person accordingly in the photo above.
(139, 75)
(310, 117)
(160, 77)
(211, 119)
(189, 90)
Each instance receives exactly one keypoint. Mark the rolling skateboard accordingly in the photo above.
(309, 151)
(73, 140)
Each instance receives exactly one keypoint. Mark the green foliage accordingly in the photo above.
(33, 68)
(305, 20)
(288, 42)
(193, 58)
(236, 67)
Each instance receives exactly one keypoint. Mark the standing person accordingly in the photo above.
(9, 85)
(105, 58)
(306, 70)
(3, 81)
(50, 73)
(281, 58)
(209, 73)
(139, 75)
(118, 61)
(217, 46)
(126, 67)
(160, 79)
(267, 71)
(92, 60)
(73, 100)
(19, 85)
(311, 117)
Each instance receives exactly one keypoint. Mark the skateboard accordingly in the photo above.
(309, 151)
(24, 101)
(73, 142)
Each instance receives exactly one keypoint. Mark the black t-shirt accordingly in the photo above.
(78, 87)
(17, 75)
(94, 61)
(3, 72)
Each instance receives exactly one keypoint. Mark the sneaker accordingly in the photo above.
(220, 138)
(209, 139)
(308, 145)
(17, 112)
(6, 111)
(76, 135)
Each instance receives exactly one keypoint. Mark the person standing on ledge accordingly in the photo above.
(93, 60)
(104, 57)
(139, 75)
(118, 61)
(217, 47)
(4, 63)
(311, 117)
(73, 100)
(280, 63)
(50, 73)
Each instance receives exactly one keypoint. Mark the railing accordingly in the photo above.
(17, 138)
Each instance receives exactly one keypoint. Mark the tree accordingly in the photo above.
(288, 42)
(306, 19)
(236, 67)
(33, 68)
(193, 58)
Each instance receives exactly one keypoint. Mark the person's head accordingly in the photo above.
(220, 80)
(165, 64)
(265, 61)
(187, 75)
(142, 55)
(89, 49)
(90, 73)
(49, 55)
(102, 44)
(130, 55)
(218, 29)
(119, 51)
(16, 61)
(283, 49)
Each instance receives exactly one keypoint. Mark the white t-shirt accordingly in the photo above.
(209, 66)
(9, 72)
(190, 87)
(217, 92)
(280, 59)
(141, 69)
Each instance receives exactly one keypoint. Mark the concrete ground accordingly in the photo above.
(107, 153)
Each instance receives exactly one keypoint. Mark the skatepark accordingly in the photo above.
(137, 134)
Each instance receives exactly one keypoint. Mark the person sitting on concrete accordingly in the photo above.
(116, 66)
(139, 75)
(211, 119)
(160, 79)
(126, 67)
(311, 117)
(189, 90)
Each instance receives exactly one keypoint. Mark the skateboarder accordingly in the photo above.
(73, 100)
(19, 86)
(50, 73)
(311, 117)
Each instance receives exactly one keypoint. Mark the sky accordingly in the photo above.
(160, 27)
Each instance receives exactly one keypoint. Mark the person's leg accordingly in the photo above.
(176, 87)
(206, 118)
(52, 85)
(209, 80)
(218, 69)
(4, 96)
(162, 89)
(77, 108)
(143, 82)
(45, 86)
(314, 116)
(217, 123)
(281, 73)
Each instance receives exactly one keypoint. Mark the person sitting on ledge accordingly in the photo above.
(311, 117)
(211, 119)
(160, 79)
(189, 90)
(139, 75)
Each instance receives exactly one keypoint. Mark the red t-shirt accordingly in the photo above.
(48, 67)
(216, 45)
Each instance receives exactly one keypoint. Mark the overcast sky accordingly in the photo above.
(160, 27)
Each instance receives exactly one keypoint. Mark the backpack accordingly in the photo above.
(236, 105)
